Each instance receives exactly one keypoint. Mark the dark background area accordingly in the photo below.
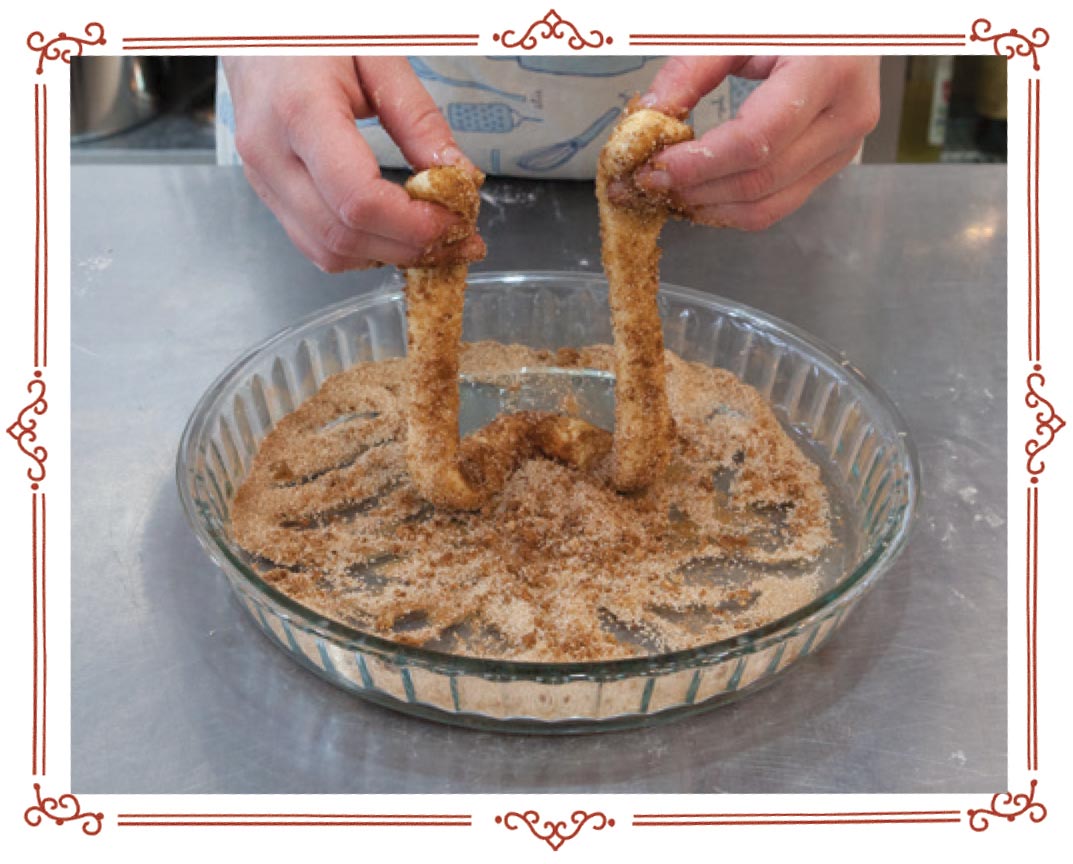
(161, 110)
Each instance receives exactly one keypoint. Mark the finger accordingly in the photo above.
(346, 174)
(758, 215)
(682, 81)
(825, 138)
(332, 246)
(465, 251)
(773, 116)
(296, 232)
(300, 199)
(408, 113)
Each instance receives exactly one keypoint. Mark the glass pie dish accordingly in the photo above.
(840, 420)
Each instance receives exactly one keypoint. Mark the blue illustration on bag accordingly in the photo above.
(581, 67)
(485, 117)
(555, 155)
(424, 70)
(740, 90)
(225, 111)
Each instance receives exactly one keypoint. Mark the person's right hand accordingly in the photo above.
(304, 156)
(800, 127)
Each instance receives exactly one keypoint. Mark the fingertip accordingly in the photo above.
(648, 100)
(618, 191)
(473, 248)
(428, 222)
(682, 81)
(660, 93)
(653, 178)
(711, 217)
(674, 167)
(450, 154)
(664, 103)
(436, 227)
(465, 251)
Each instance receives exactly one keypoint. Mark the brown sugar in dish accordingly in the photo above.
(448, 472)
(557, 565)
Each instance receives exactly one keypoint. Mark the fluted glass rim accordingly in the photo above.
(867, 571)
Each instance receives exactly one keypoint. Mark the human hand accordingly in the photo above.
(802, 125)
(305, 158)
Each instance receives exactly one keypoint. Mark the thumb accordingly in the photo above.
(682, 81)
(408, 113)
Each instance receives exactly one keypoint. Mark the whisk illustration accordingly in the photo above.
(552, 156)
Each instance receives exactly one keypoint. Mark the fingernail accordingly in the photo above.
(713, 217)
(655, 180)
(618, 191)
(449, 155)
(649, 100)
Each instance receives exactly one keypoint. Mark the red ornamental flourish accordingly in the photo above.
(66, 808)
(60, 810)
(554, 833)
(1011, 43)
(53, 48)
(553, 26)
(23, 430)
(1008, 806)
(1048, 423)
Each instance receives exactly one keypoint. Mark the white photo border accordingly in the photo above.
(35, 496)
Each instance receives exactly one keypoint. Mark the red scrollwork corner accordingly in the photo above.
(1008, 806)
(62, 810)
(1012, 43)
(63, 46)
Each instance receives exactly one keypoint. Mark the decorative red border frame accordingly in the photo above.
(66, 808)
(149, 44)
(282, 820)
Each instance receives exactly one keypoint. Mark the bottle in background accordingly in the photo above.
(991, 106)
(925, 109)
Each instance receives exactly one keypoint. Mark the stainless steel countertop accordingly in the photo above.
(176, 270)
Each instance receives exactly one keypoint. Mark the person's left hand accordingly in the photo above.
(801, 125)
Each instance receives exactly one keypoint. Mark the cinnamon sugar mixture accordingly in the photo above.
(557, 566)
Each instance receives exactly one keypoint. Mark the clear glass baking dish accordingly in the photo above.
(842, 421)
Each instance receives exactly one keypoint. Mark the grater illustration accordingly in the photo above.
(485, 117)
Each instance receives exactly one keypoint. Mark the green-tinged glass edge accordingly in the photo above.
(864, 575)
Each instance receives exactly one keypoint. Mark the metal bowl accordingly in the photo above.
(113, 94)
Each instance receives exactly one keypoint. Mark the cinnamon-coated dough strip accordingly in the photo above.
(447, 472)
(629, 231)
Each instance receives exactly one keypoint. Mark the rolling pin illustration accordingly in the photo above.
(551, 157)
(485, 117)
(423, 70)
